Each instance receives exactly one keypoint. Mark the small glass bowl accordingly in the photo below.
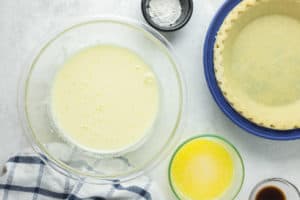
(239, 173)
(80, 163)
(290, 191)
(187, 11)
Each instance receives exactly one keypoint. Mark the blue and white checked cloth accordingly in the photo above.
(26, 177)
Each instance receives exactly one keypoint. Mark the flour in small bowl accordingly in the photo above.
(165, 12)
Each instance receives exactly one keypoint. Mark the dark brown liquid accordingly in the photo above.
(270, 193)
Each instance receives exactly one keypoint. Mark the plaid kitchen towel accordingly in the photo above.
(26, 177)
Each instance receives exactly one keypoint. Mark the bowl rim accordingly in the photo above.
(215, 138)
(215, 91)
(60, 166)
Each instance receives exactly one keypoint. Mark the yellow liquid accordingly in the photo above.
(202, 170)
(105, 98)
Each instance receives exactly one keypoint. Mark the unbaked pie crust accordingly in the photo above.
(257, 62)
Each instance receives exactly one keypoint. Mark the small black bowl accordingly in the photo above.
(187, 10)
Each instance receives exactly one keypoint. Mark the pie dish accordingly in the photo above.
(257, 62)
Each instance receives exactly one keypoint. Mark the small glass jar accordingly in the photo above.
(289, 190)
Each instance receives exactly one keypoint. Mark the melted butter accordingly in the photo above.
(202, 169)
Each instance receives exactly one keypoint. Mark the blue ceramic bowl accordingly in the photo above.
(216, 92)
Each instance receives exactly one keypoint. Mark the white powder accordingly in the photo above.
(165, 12)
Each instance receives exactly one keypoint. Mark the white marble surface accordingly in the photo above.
(23, 24)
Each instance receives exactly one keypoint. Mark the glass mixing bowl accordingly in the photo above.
(77, 162)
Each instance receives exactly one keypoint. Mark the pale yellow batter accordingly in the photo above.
(105, 98)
